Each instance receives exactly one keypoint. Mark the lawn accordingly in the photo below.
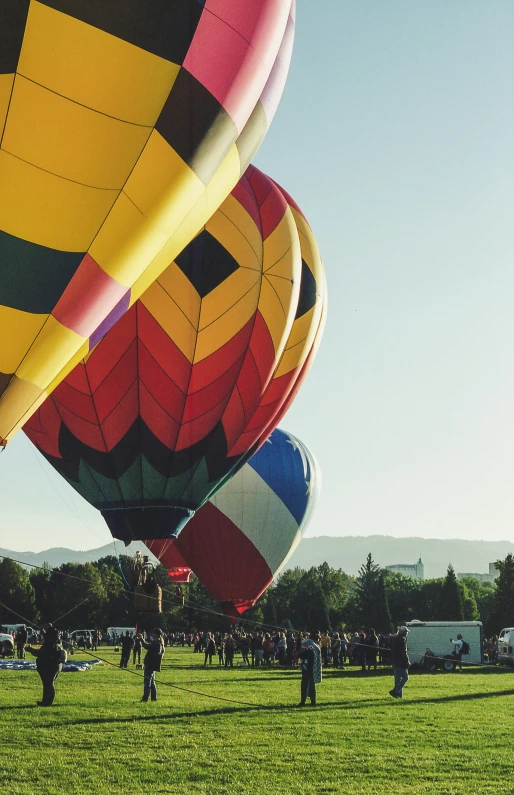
(450, 734)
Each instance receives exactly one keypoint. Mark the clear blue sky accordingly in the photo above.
(395, 136)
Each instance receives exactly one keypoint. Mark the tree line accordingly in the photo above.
(97, 595)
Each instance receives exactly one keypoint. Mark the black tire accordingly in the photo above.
(449, 665)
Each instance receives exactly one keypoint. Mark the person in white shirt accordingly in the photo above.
(457, 650)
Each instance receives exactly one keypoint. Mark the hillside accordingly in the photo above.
(347, 553)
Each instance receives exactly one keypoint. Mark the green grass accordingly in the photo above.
(452, 733)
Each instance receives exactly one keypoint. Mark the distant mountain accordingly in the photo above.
(58, 555)
(347, 553)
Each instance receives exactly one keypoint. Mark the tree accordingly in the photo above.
(16, 594)
(369, 605)
(484, 594)
(504, 602)
(402, 595)
(80, 598)
(311, 609)
(40, 579)
(469, 605)
(450, 601)
(269, 610)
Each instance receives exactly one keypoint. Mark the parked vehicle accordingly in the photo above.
(8, 629)
(438, 635)
(442, 662)
(6, 645)
(120, 631)
(505, 644)
(83, 638)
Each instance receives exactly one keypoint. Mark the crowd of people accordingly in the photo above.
(308, 652)
(264, 649)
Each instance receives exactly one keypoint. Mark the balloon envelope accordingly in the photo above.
(184, 386)
(125, 125)
(241, 539)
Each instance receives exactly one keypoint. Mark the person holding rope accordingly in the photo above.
(49, 659)
(152, 662)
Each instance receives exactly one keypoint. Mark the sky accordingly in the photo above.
(395, 137)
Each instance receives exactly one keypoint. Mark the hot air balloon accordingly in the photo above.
(240, 540)
(124, 127)
(172, 560)
(169, 403)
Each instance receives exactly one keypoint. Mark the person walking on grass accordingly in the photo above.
(310, 666)
(49, 659)
(152, 662)
(400, 662)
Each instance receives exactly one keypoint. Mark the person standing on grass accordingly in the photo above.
(310, 666)
(152, 662)
(49, 659)
(400, 662)
(244, 647)
(362, 650)
(210, 649)
(21, 641)
(371, 650)
(458, 649)
(325, 645)
(268, 648)
(127, 644)
(336, 650)
(136, 651)
(230, 650)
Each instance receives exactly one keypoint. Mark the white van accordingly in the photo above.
(505, 644)
(85, 633)
(120, 631)
(437, 636)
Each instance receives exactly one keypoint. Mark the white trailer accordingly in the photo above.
(437, 635)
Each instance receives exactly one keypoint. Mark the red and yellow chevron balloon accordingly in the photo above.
(190, 380)
(124, 125)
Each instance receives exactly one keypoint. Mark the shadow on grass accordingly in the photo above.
(358, 704)
(20, 706)
(164, 716)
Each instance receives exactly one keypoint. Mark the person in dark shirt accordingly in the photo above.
(372, 650)
(21, 641)
(127, 644)
(152, 662)
(310, 665)
(48, 663)
(210, 649)
(136, 652)
(400, 662)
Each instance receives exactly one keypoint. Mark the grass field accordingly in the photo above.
(451, 733)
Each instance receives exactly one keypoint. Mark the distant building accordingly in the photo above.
(482, 576)
(414, 570)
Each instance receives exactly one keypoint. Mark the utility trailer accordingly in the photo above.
(436, 635)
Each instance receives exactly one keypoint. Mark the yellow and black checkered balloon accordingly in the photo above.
(123, 126)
